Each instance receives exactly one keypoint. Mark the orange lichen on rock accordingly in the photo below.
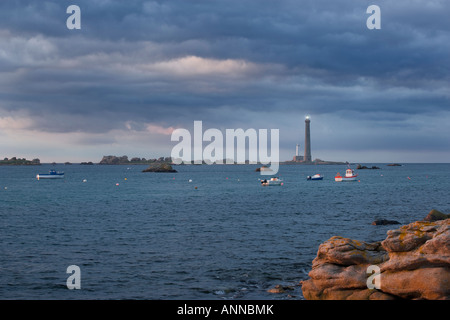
(414, 262)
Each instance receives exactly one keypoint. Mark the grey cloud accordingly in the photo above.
(310, 57)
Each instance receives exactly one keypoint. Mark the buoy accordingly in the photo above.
(125, 179)
(6, 188)
(117, 184)
(195, 188)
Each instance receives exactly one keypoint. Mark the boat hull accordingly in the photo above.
(339, 179)
(50, 176)
(269, 183)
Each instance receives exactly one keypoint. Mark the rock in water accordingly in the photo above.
(280, 289)
(384, 222)
(159, 167)
(435, 215)
(414, 262)
(277, 289)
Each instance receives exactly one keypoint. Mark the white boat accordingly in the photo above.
(350, 175)
(272, 182)
(51, 175)
(315, 177)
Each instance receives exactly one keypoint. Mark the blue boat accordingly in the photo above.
(51, 175)
(315, 177)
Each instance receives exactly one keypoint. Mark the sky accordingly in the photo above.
(137, 70)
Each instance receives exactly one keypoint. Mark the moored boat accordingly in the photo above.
(51, 175)
(350, 175)
(272, 182)
(315, 177)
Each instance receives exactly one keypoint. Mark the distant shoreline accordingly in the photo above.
(284, 163)
(14, 161)
(123, 160)
(296, 163)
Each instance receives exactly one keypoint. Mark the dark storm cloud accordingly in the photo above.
(129, 60)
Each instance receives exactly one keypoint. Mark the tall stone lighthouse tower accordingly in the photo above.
(307, 157)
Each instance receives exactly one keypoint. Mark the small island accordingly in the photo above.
(360, 167)
(14, 161)
(159, 167)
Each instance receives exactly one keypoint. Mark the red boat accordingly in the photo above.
(350, 175)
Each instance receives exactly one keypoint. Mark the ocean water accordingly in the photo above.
(220, 236)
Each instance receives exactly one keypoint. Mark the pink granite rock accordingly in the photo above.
(414, 263)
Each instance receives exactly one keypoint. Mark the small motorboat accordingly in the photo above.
(315, 177)
(350, 175)
(51, 175)
(272, 182)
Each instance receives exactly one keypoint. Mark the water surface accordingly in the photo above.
(156, 236)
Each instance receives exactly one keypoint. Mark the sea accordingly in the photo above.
(207, 232)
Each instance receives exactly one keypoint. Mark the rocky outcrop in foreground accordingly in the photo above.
(413, 262)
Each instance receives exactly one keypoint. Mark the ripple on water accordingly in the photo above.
(155, 237)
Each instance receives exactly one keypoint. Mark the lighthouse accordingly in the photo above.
(307, 157)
